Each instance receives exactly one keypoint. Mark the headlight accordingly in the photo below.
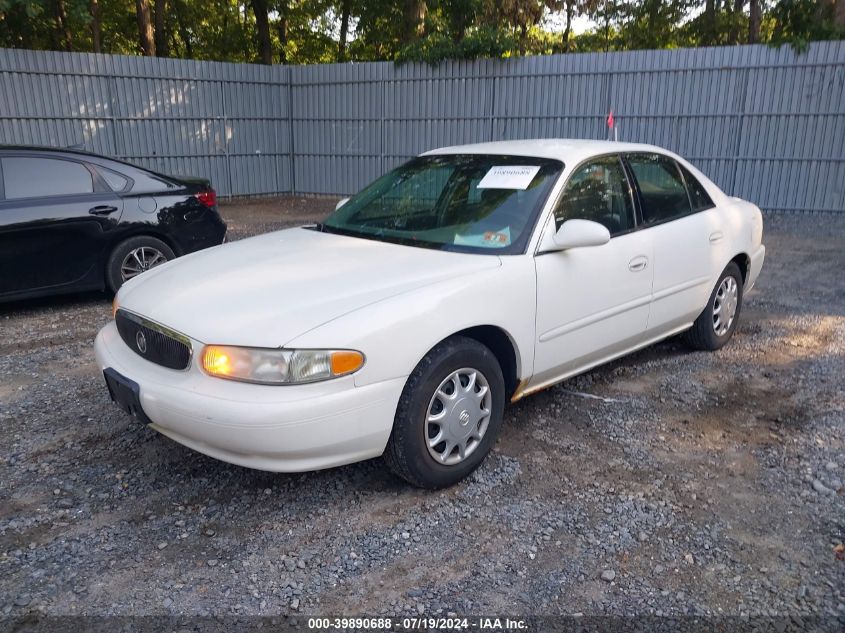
(278, 366)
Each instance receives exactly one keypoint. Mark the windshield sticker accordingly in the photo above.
(489, 239)
(509, 177)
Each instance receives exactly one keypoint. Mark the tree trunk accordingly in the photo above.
(262, 23)
(735, 26)
(282, 29)
(344, 29)
(65, 37)
(184, 33)
(570, 9)
(161, 40)
(414, 18)
(754, 19)
(709, 36)
(96, 26)
(839, 15)
(145, 28)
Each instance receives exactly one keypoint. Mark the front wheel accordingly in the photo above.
(715, 326)
(449, 415)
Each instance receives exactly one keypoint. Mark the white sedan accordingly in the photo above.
(466, 278)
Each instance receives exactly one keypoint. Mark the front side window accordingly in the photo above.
(464, 203)
(598, 191)
(32, 177)
(662, 192)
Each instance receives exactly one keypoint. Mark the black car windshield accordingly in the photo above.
(464, 203)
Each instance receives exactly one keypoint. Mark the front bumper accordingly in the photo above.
(276, 428)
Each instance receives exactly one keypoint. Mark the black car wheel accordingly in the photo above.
(715, 326)
(134, 256)
(449, 415)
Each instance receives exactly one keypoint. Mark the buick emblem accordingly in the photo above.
(141, 342)
(464, 417)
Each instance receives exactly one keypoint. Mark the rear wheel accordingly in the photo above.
(134, 256)
(449, 415)
(715, 326)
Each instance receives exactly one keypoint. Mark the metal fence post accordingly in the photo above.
(226, 140)
(739, 129)
(493, 107)
(291, 151)
(112, 121)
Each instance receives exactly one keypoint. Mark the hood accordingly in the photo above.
(267, 290)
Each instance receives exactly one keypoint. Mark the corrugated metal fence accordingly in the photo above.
(766, 124)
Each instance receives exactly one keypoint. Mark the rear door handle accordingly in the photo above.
(716, 237)
(639, 263)
(102, 209)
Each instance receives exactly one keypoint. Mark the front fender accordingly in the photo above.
(395, 333)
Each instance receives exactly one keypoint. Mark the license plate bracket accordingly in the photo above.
(126, 394)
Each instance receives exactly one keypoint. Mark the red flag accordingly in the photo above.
(610, 120)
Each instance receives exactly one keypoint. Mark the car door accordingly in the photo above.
(592, 302)
(687, 239)
(55, 215)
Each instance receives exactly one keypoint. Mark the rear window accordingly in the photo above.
(35, 177)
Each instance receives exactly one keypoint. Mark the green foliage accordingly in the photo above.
(798, 22)
(480, 42)
(430, 31)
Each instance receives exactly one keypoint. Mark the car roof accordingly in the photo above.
(568, 150)
(70, 151)
(84, 154)
(60, 150)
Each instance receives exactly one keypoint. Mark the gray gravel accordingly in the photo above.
(707, 484)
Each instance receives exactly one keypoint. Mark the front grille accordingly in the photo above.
(153, 342)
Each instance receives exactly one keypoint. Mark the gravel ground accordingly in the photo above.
(702, 483)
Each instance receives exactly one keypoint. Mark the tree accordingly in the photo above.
(96, 26)
(413, 23)
(345, 8)
(145, 28)
(520, 15)
(262, 23)
(755, 19)
(318, 31)
(161, 42)
(64, 36)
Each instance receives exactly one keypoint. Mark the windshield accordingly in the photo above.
(465, 203)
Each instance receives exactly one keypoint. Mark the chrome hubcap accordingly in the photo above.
(139, 260)
(458, 416)
(724, 305)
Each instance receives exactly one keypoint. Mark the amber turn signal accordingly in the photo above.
(346, 361)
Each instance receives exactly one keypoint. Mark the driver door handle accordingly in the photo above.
(639, 263)
(102, 209)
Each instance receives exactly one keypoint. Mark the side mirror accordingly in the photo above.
(340, 203)
(576, 234)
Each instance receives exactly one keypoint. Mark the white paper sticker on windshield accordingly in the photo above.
(509, 177)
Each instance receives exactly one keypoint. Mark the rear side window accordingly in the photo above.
(698, 197)
(114, 180)
(662, 191)
(25, 177)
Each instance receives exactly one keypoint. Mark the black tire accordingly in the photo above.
(407, 453)
(114, 279)
(702, 335)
